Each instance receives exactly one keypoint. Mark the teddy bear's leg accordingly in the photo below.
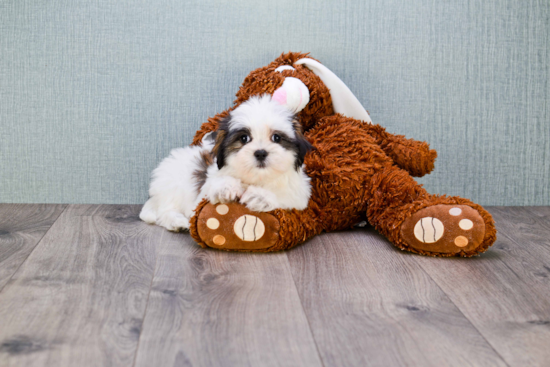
(233, 227)
(413, 156)
(420, 222)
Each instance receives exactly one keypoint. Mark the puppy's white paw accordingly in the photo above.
(174, 221)
(225, 190)
(259, 200)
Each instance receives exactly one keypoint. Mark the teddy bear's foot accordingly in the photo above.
(233, 227)
(444, 230)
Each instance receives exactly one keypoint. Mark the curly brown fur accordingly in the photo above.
(411, 155)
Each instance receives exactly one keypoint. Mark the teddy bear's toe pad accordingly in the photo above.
(233, 227)
(445, 229)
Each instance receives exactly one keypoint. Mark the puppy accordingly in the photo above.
(256, 157)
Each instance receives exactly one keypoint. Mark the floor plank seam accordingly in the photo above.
(147, 303)
(304, 311)
(534, 215)
(34, 248)
(519, 278)
(458, 308)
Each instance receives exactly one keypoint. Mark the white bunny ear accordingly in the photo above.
(293, 94)
(343, 100)
(282, 68)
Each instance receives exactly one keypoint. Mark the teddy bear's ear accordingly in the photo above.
(343, 100)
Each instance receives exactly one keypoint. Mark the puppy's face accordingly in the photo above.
(260, 139)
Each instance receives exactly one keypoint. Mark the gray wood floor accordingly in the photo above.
(91, 285)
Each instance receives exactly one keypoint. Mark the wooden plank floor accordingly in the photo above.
(92, 285)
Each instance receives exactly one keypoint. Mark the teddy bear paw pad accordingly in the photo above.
(445, 229)
(233, 227)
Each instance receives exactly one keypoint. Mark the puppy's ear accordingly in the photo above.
(302, 145)
(219, 147)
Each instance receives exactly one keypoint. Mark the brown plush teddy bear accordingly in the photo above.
(358, 172)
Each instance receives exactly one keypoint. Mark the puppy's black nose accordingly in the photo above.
(260, 155)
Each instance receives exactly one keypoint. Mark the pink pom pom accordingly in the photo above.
(279, 96)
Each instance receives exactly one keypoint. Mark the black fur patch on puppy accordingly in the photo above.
(228, 141)
(299, 144)
(204, 161)
(211, 137)
(221, 133)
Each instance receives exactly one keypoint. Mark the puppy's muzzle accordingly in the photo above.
(261, 155)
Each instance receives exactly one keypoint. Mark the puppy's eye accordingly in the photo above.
(244, 139)
(276, 138)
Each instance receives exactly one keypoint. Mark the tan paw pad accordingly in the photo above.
(222, 209)
(455, 212)
(212, 223)
(461, 241)
(218, 240)
(466, 224)
(249, 228)
(428, 230)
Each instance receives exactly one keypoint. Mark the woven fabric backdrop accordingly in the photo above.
(94, 93)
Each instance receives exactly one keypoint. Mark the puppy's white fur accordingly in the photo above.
(236, 173)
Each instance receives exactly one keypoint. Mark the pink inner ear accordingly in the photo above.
(280, 96)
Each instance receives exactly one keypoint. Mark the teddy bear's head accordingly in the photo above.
(306, 86)
(302, 84)
(270, 78)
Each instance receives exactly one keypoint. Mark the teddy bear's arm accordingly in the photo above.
(413, 156)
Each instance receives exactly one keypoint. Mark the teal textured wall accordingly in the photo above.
(93, 94)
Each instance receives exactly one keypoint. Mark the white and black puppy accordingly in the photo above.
(256, 157)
